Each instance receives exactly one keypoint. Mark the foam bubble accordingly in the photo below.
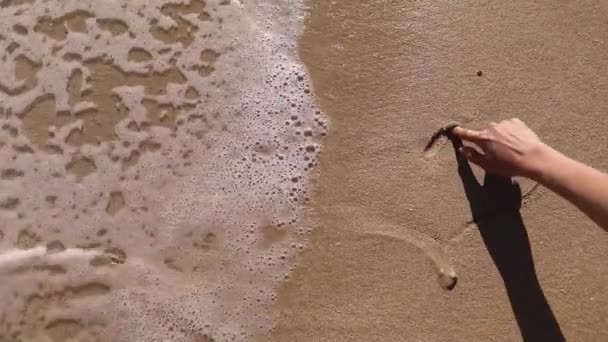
(156, 158)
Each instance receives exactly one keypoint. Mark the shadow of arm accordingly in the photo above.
(495, 208)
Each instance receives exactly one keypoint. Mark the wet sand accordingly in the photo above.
(155, 158)
(389, 74)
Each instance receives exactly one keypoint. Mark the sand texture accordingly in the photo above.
(391, 73)
(233, 170)
(155, 158)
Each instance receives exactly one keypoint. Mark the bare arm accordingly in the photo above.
(582, 185)
(510, 148)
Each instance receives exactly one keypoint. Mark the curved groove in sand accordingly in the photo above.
(446, 273)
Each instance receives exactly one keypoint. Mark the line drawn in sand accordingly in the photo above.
(438, 141)
(432, 249)
(436, 144)
(531, 195)
(446, 275)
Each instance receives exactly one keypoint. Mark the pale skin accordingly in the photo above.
(510, 148)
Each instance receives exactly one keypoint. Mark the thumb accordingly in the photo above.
(475, 157)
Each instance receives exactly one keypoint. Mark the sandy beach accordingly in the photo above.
(264, 170)
(389, 75)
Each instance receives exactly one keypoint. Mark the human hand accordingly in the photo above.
(508, 148)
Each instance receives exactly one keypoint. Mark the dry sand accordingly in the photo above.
(389, 74)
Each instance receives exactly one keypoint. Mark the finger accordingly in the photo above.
(467, 134)
(475, 157)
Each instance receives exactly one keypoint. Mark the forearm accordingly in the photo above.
(582, 185)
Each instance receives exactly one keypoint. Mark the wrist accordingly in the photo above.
(545, 161)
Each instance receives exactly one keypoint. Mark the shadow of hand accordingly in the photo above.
(495, 208)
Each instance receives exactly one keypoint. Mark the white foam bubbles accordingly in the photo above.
(173, 171)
